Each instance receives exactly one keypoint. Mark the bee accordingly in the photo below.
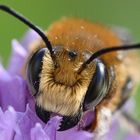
(78, 66)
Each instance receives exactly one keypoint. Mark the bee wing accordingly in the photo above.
(126, 92)
(132, 60)
(123, 34)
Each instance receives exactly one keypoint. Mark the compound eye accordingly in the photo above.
(34, 69)
(98, 87)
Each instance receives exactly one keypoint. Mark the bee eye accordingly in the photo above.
(34, 69)
(98, 87)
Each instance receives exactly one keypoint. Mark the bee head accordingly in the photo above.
(56, 82)
(59, 74)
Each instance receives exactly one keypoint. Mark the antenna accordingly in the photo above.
(30, 24)
(108, 50)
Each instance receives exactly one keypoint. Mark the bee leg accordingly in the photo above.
(126, 92)
(69, 122)
(42, 114)
(102, 122)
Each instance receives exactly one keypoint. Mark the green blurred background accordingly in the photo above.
(124, 13)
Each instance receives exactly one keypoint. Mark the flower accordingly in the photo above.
(18, 120)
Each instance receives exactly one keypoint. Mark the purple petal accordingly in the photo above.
(13, 91)
(4, 75)
(27, 121)
(37, 133)
(8, 125)
(29, 37)
(74, 134)
(112, 134)
(52, 126)
(87, 118)
(17, 58)
(129, 106)
(132, 137)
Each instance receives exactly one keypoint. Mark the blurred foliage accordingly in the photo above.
(123, 13)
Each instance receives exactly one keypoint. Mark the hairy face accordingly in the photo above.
(61, 86)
